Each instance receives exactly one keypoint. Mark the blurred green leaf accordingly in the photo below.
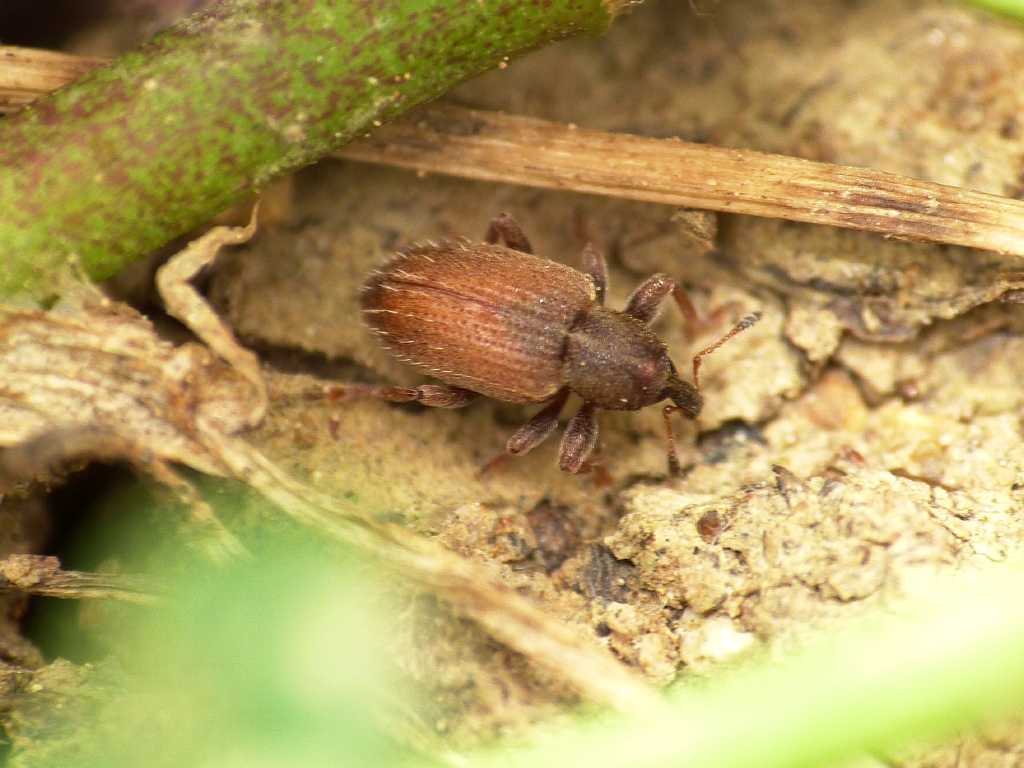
(281, 661)
(275, 662)
(915, 674)
(1010, 7)
(270, 662)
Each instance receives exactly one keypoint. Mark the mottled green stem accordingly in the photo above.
(157, 142)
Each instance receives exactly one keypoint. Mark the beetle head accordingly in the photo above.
(683, 394)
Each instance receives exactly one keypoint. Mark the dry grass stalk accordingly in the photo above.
(468, 586)
(42, 575)
(27, 72)
(537, 153)
(520, 150)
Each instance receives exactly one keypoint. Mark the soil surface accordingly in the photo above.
(862, 437)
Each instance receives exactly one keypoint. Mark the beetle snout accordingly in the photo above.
(684, 395)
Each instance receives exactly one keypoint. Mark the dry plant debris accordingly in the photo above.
(863, 436)
(42, 575)
(539, 153)
(97, 368)
(522, 150)
(28, 72)
(881, 390)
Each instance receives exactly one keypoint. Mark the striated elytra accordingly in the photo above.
(494, 320)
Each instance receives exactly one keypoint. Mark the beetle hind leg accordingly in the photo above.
(504, 227)
(579, 440)
(430, 395)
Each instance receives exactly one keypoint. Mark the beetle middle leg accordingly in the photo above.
(536, 430)
(504, 227)
(579, 440)
(431, 395)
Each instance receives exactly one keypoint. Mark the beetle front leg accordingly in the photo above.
(579, 440)
(431, 395)
(644, 302)
(504, 227)
(674, 470)
(536, 430)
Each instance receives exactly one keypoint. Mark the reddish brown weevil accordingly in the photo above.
(495, 320)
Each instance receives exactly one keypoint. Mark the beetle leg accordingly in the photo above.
(644, 303)
(673, 456)
(431, 395)
(579, 439)
(504, 227)
(536, 430)
(594, 266)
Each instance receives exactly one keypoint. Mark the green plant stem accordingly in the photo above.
(162, 139)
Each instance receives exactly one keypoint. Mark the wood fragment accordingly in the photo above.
(42, 575)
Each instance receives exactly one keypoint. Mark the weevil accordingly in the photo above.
(493, 319)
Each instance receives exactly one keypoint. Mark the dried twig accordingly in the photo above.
(42, 575)
(519, 150)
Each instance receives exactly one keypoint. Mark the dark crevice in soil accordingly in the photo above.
(98, 515)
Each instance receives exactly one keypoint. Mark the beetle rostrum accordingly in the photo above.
(492, 319)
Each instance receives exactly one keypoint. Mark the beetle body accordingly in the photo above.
(497, 321)
(478, 316)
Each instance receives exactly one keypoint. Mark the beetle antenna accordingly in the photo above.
(737, 329)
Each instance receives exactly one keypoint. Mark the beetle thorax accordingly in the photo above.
(615, 361)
